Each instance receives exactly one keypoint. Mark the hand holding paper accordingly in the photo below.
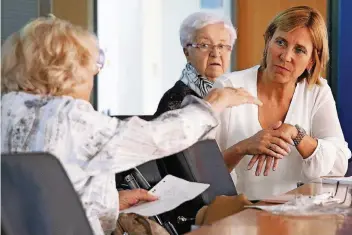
(172, 192)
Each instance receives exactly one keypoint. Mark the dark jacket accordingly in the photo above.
(173, 98)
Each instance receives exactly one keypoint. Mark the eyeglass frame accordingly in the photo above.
(101, 60)
(210, 47)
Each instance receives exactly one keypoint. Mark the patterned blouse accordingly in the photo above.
(93, 147)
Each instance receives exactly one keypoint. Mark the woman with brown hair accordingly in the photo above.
(298, 125)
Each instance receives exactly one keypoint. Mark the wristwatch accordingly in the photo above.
(300, 135)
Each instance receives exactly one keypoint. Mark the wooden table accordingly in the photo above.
(256, 222)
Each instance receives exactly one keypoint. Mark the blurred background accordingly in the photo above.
(144, 55)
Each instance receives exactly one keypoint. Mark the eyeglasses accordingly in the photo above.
(101, 60)
(204, 47)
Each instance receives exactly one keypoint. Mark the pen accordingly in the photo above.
(337, 187)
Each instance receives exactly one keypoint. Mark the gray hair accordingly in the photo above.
(199, 20)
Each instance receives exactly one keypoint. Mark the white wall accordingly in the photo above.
(144, 54)
(120, 33)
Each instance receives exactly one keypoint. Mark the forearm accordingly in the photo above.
(233, 155)
(136, 141)
(307, 146)
(179, 129)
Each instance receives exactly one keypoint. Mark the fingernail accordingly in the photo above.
(265, 173)
(280, 156)
(274, 169)
(289, 150)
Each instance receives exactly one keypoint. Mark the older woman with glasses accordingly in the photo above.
(47, 71)
(207, 41)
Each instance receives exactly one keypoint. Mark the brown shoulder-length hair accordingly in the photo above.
(297, 17)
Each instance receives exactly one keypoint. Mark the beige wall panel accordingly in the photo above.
(253, 16)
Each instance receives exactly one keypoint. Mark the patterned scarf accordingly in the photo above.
(195, 81)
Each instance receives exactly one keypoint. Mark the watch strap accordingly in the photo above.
(300, 135)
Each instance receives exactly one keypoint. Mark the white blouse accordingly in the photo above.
(311, 108)
(93, 147)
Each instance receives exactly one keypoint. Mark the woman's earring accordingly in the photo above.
(308, 71)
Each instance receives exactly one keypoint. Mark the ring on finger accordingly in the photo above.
(271, 147)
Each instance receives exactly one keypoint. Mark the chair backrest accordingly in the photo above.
(37, 197)
(144, 117)
(203, 162)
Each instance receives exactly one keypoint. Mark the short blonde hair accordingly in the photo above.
(47, 56)
(297, 17)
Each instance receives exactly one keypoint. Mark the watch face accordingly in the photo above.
(300, 129)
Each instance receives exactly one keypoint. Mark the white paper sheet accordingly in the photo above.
(334, 180)
(172, 192)
(273, 208)
(300, 205)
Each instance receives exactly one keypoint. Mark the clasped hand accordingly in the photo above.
(270, 145)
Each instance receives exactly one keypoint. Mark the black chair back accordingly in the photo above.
(37, 197)
(203, 162)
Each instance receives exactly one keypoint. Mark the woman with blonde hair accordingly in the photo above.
(296, 132)
(47, 71)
